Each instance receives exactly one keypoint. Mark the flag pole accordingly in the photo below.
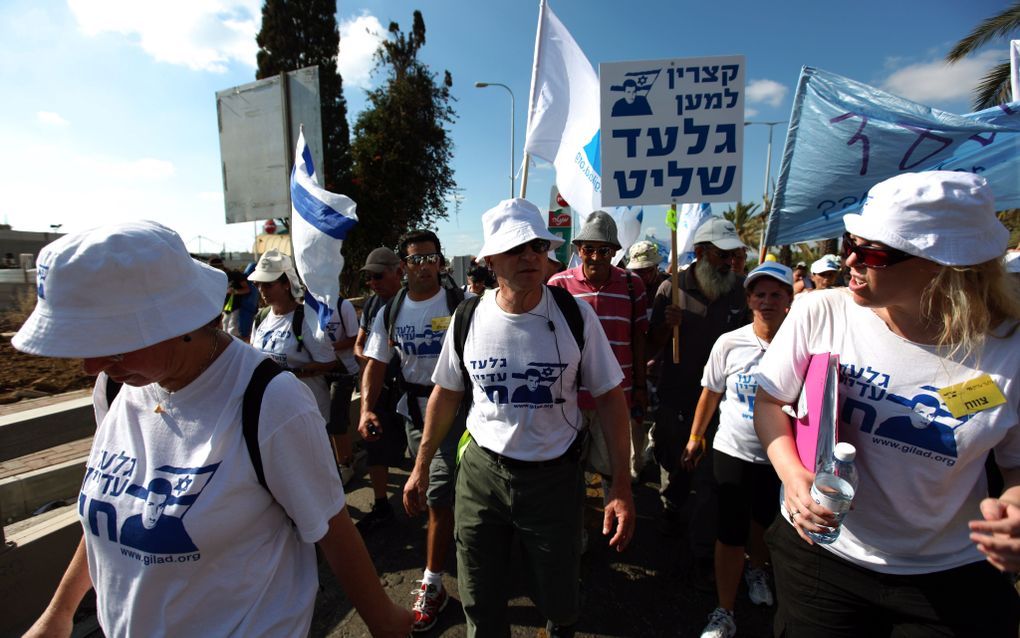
(531, 94)
(674, 275)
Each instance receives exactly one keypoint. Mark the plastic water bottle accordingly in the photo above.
(834, 488)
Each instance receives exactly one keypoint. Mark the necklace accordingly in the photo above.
(159, 409)
(761, 344)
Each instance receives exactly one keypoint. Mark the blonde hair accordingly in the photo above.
(968, 302)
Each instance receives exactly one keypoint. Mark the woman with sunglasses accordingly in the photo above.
(929, 353)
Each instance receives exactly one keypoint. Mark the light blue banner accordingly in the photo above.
(846, 136)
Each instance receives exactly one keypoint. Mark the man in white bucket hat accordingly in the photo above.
(520, 474)
(197, 520)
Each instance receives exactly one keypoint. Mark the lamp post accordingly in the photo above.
(482, 85)
(768, 172)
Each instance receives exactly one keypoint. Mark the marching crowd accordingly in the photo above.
(224, 437)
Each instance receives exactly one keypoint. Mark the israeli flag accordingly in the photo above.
(691, 216)
(320, 221)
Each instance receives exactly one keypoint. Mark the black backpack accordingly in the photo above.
(466, 311)
(251, 407)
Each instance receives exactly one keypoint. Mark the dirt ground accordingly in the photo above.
(24, 376)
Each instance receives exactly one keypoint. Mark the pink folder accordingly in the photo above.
(815, 431)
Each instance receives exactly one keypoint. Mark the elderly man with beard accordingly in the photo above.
(712, 302)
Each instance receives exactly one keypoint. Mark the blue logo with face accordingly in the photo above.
(40, 280)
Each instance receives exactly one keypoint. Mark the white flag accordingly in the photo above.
(563, 114)
(689, 217)
(1014, 69)
(320, 221)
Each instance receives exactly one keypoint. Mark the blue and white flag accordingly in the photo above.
(846, 136)
(320, 221)
(563, 114)
(689, 217)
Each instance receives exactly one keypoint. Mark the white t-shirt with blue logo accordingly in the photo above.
(524, 376)
(275, 337)
(344, 325)
(730, 371)
(922, 473)
(181, 538)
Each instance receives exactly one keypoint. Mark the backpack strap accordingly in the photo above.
(251, 407)
(571, 312)
(392, 309)
(633, 300)
(461, 325)
(260, 316)
(296, 324)
(453, 298)
(112, 390)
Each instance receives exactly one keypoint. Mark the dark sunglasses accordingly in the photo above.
(417, 260)
(601, 251)
(540, 246)
(873, 257)
(374, 276)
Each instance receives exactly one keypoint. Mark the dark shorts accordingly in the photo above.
(340, 391)
(820, 594)
(391, 447)
(746, 491)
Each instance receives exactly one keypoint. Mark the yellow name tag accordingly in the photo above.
(971, 397)
(442, 323)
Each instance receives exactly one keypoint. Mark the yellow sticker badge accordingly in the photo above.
(440, 323)
(971, 397)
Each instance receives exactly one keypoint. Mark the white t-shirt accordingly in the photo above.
(275, 338)
(524, 376)
(182, 540)
(418, 332)
(344, 325)
(731, 371)
(921, 470)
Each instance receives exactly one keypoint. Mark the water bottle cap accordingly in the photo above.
(845, 452)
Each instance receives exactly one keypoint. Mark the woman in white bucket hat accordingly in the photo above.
(929, 347)
(182, 536)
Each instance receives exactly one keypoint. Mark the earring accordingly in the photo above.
(187, 338)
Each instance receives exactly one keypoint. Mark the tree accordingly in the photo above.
(748, 222)
(300, 33)
(401, 147)
(994, 88)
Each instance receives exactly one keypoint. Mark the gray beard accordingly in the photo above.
(713, 283)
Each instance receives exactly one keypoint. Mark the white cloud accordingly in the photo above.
(50, 118)
(203, 35)
(767, 91)
(359, 40)
(935, 81)
(750, 112)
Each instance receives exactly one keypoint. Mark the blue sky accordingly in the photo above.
(109, 111)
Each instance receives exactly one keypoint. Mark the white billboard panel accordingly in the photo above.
(672, 130)
(255, 149)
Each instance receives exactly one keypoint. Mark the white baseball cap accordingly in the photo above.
(1012, 261)
(719, 232)
(772, 269)
(944, 216)
(271, 265)
(827, 263)
(513, 222)
(117, 289)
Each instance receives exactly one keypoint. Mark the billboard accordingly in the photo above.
(672, 130)
(258, 125)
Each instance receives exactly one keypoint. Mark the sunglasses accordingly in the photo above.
(873, 257)
(540, 246)
(375, 276)
(601, 251)
(725, 255)
(417, 260)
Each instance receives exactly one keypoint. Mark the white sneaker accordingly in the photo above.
(720, 625)
(758, 589)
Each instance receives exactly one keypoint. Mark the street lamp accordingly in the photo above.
(482, 85)
(768, 172)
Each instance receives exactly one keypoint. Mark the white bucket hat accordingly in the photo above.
(117, 289)
(513, 222)
(271, 265)
(643, 254)
(944, 216)
(827, 263)
(772, 269)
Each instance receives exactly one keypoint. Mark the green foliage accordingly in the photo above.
(1011, 219)
(402, 149)
(300, 33)
(994, 88)
(748, 221)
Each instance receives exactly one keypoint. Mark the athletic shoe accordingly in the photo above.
(720, 625)
(758, 589)
(429, 601)
(353, 468)
(378, 516)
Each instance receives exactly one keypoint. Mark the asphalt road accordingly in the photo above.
(648, 590)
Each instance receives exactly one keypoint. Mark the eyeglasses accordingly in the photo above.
(375, 276)
(417, 260)
(601, 251)
(540, 246)
(725, 255)
(873, 257)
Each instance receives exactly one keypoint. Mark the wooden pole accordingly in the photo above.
(674, 276)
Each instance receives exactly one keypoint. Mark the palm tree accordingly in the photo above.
(994, 88)
(748, 222)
